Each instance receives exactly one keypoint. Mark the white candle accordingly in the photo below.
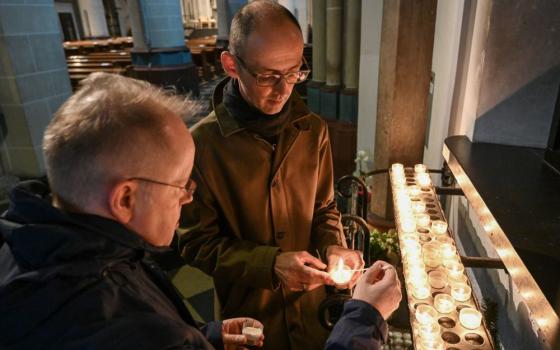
(413, 191)
(454, 268)
(423, 179)
(460, 291)
(429, 331)
(426, 314)
(444, 303)
(439, 227)
(342, 274)
(447, 250)
(470, 318)
(397, 168)
(252, 333)
(418, 207)
(421, 291)
(420, 168)
(422, 220)
(438, 279)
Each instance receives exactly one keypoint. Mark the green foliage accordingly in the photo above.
(384, 245)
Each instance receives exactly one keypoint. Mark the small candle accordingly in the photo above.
(421, 291)
(460, 291)
(418, 207)
(422, 220)
(417, 278)
(438, 279)
(439, 227)
(423, 179)
(470, 318)
(444, 238)
(447, 250)
(457, 279)
(397, 168)
(426, 314)
(429, 331)
(419, 168)
(431, 254)
(444, 303)
(431, 344)
(252, 333)
(342, 274)
(454, 268)
(408, 224)
(399, 180)
(413, 191)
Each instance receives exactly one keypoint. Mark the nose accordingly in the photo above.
(283, 88)
(188, 194)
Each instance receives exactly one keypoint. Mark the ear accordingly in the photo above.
(229, 64)
(122, 199)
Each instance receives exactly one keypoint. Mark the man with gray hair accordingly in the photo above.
(76, 269)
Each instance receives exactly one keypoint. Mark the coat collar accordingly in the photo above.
(229, 125)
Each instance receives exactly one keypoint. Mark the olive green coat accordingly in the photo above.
(254, 200)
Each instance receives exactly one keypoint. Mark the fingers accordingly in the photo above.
(234, 339)
(312, 261)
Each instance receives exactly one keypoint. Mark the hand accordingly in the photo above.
(351, 258)
(380, 287)
(232, 333)
(299, 271)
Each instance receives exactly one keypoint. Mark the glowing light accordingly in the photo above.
(470, 318)
(342, 274)
(460, 291)
(444, 303)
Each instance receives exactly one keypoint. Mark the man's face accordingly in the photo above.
(273, 49)
(158, 207)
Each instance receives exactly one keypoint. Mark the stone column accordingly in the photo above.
(407, 39)
(34, 82)
(349, 94)
(93, 18)
(333, 73)
(319, 55)
(160, 55)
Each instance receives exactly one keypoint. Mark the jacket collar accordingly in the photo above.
(40, 233)
(229, 125)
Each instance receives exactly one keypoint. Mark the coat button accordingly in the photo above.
(280, 235)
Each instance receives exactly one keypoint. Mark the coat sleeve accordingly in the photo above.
(203, 244)
(360, 327)
(326, 227)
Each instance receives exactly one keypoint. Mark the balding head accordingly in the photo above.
(255, 16)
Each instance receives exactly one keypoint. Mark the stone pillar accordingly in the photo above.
(93, 18)
(226, 10)
(319, 55)
(407, 40)
(349, 95)
(160, 55)
(34, 83)
(333, 73)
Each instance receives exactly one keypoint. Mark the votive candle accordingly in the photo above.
(422, 220)
(470, 318)
(420, 168)
(426, 314)
(460, 291)
(439, 227)
(444, 303)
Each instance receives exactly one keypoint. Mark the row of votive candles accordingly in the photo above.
(426, 246)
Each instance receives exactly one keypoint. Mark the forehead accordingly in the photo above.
(276, 46)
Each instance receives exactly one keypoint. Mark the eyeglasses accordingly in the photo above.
(273, 79)
(189, 188)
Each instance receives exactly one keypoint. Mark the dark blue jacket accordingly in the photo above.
(76, 281)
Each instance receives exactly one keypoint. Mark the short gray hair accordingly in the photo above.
(249, 16)
(111, 127)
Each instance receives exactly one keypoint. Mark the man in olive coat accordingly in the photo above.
(263, 222)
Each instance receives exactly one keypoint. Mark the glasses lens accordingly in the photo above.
(268, 79)
(302, 76)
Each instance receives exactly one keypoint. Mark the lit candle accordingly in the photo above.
(454, 268)
(421, 291)
(460, 291)
(431, 344)
(408, 224)
(422, 220)
(342, 274)
(426, 314)
(418, 207)
(439, 227)
(413, 191)
(253, 334)
(438, 279)
(429, 331)
(399, 180)
(470, 318)
(423, 179)
(457, 279)
(447, 250)
(397, 168)
(420, 168)
(444, 303)
(431, 255)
